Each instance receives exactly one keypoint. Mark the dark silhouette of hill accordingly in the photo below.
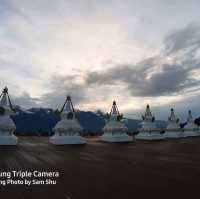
(40, 121)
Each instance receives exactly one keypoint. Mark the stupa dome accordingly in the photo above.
(68, 129)
(115, 130)
(7, 126)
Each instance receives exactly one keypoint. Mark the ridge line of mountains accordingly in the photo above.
(40, 121)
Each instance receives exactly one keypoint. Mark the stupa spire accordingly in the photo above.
(114, 110)
(148, 116)
(173, 116)
(68, 106)
(5, 99)
(190, 118)
(148, 111)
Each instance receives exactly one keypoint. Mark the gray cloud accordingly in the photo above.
(152, 77)
(181, 108)
(167, 78)
(61, 86)
(183, 39)
(25, 100)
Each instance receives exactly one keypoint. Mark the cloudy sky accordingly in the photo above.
(133, 51)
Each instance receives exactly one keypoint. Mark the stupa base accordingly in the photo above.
(149, 136)
(175, 135)
(8, 140)
(192, 133)
(116, 138)
(67, 139)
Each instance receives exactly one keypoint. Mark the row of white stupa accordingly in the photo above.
(68, 129)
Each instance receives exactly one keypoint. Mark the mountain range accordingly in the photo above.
(40, 121)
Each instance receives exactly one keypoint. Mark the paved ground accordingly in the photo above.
(164, 169)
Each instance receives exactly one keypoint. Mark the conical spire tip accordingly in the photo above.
(5, 90)
(68, 98)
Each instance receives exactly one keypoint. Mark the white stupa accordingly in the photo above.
(149, 131)
(191, 129)
(7, 126)
(115, 130)
(173, 129)
(68, 129)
